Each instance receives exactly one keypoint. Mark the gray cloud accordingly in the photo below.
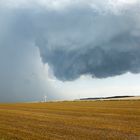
(84, 41)
(22, 76)
(74, 41)
(97, 61)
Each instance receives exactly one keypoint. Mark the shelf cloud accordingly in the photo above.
(97, 38)
(100, 39)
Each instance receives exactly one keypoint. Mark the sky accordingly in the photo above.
(66, 49)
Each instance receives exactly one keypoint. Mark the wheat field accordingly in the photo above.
(75, 120)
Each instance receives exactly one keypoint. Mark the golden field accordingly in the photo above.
(77, 120)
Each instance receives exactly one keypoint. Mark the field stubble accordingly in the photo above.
(77, 120)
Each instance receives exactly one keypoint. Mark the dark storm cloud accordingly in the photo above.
(85, 42)
(81, 39)
(97, 61)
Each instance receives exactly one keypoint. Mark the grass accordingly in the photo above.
(85, 120)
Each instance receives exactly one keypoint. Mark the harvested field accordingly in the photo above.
(77, 120)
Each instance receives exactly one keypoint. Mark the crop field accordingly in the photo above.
(75, 120)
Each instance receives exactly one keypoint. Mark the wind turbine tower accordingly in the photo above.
(45, 98)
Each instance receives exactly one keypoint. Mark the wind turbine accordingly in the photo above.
(45, 98)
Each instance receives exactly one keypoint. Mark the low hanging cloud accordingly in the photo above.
(97, 38)
(92, 40)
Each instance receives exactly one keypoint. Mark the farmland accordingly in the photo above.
(75, 120)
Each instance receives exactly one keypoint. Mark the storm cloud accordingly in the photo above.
(97, 38)
(101, 40)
